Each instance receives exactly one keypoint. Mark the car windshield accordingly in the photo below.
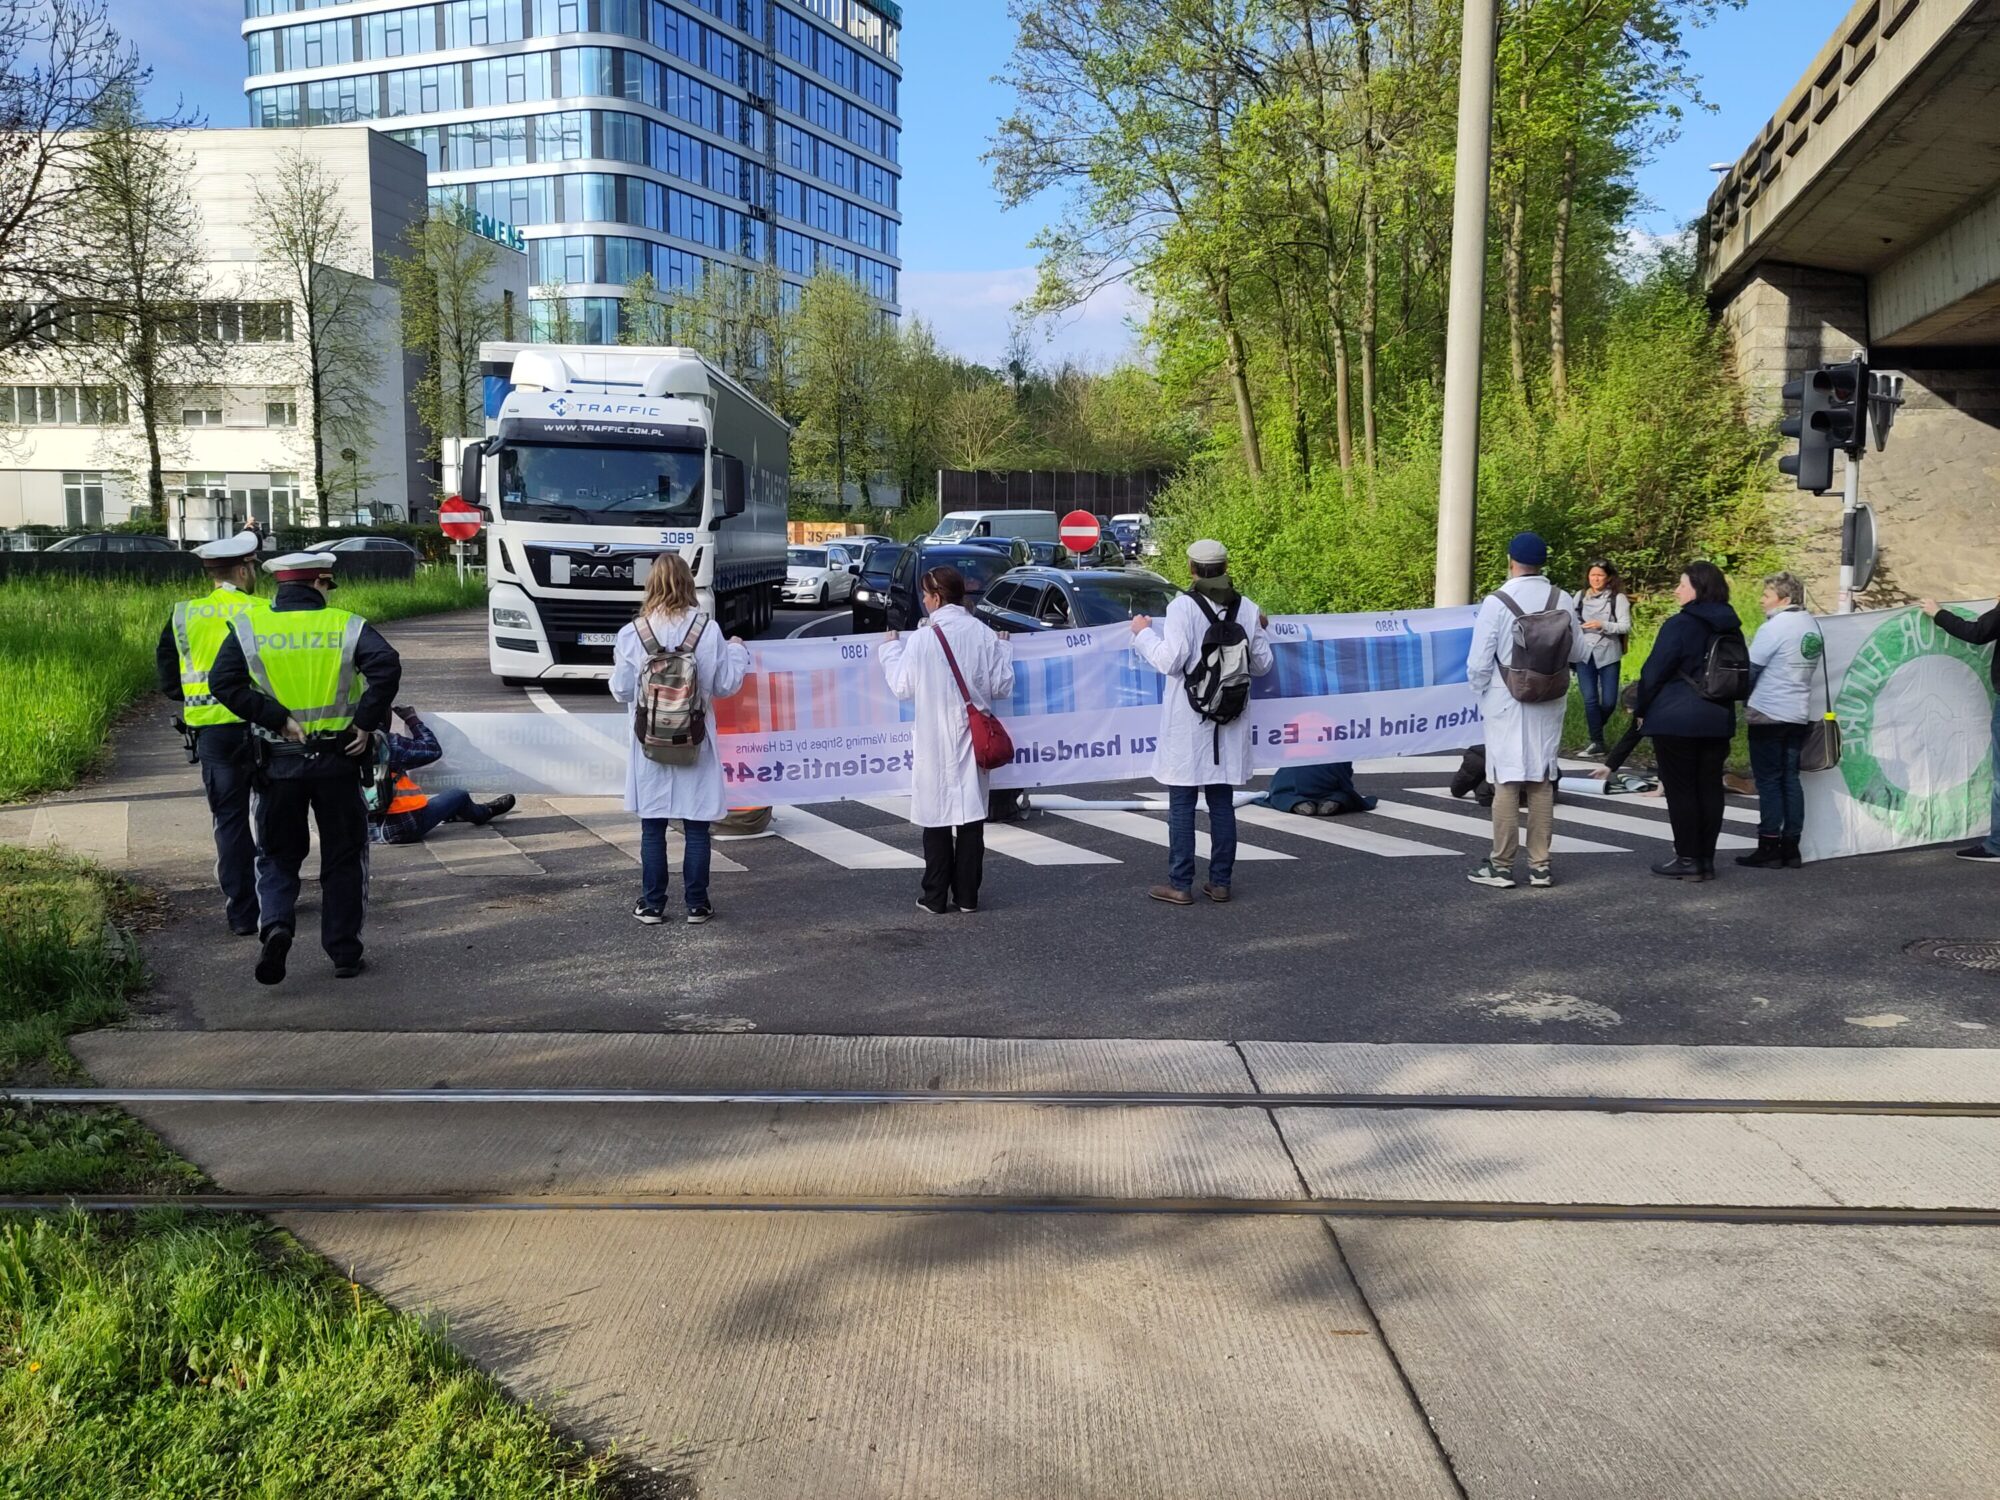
(952, 528)
(806, 557)
(978, 566)
(601, 486)
(881, 560)
(1106, 601)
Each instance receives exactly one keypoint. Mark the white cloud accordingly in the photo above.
(972, 312)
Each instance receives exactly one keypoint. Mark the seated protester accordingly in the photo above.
(410, 813)
(1321, 791)
(1469, 780)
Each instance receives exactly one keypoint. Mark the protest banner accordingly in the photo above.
(815, 721)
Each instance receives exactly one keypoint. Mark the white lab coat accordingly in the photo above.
(947, 789)
(691, 792)
(1523, 740)
(1186, 753)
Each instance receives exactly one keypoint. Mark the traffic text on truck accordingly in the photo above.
(599, 458)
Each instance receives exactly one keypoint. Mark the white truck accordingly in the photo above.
(599, 458)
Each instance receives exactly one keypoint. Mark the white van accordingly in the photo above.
(1028, 525)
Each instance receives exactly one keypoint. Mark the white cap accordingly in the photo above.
(307, 563)
(1207, 553)
(229, 549)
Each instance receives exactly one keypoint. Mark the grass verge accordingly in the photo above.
(75, 652)
(181, 1354)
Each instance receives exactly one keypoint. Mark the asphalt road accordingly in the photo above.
(1331, 943)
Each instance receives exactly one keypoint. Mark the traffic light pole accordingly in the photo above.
(1849, 508)
(1466, 313)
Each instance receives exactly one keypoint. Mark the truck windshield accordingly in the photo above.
(601, 486)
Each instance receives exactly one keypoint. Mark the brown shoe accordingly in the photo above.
(1172, 895)
(1216, 893)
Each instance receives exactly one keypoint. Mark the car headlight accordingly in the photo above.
(512, 619)
(863, 594)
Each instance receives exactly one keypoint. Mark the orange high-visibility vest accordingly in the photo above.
(409, 796)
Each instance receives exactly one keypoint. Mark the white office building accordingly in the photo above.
(238, 446)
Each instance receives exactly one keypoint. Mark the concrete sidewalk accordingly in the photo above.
(875, 1354)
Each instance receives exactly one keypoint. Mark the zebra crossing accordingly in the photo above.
(1408, 822)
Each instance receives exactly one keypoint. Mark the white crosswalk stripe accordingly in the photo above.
(1481, 828)
(1153, 831)
(607, 819)
(838, 843)
(1339, 831)
(1617, 822)
(1013, 841)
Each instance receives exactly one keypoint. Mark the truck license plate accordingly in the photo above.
(597, 638)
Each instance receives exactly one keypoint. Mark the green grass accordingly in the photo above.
(175, 1354)
(75, 653)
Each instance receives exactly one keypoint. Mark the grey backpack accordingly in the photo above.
(1537, 670)
(668, 719)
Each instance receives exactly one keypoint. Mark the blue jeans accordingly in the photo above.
(443, 807)
(653, 864)
(1774, 762)
(1599, 686)
(1180, 835)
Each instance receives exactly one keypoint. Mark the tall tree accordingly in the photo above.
(842, 352)
(445, 278)
(918, 380)
(135, 223)
(317, 259)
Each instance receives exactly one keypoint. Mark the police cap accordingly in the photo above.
(229, 549)
(300, 567)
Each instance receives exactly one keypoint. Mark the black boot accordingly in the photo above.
(1679, 869)
(1707, 869)
(1770, 854)
(1792, 860)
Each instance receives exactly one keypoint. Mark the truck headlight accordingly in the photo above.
(512, 619)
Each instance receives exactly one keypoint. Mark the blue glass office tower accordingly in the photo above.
(620, 136)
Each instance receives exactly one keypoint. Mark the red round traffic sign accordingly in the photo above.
(459, 519)
(1079, 531)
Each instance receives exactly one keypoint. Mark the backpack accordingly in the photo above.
(668, 718)
(1724, 676)
(1537, 670)
(1218, 684)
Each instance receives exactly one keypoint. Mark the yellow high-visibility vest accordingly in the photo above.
(304, 658)
(200, 627)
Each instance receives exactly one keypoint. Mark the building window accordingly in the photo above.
(281, 414)
(241, 322)
(83, 501)
(201, 416)
(62, 405)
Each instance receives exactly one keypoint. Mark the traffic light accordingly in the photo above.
(1830, 419)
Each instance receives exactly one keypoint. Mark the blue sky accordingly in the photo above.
(965, 261)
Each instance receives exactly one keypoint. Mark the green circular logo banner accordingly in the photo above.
(1914, 706)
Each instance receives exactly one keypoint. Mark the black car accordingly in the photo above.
(871, 587)
(114, 541)
(980, 565)
(1106, 554)
(1030, 599)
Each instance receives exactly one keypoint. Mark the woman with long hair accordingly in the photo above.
(952, 661)
(1690, 732)
(1606, 616)
(671, 613)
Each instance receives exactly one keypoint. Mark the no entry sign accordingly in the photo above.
(1079, 531)
(458, 519)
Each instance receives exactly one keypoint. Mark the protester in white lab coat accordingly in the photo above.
(947, 788)
(1197, 756)
(691, 793)
(1523, 740)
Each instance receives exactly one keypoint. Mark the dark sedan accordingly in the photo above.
(1106, 554)
(980, 565)
(871, 587)
(1030, 599)
(114, 541)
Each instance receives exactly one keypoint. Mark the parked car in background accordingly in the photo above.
(1030, 599)
(1106, 554)
(1142, 523)
(871, 587)
(1017, 551)
(979, 564)
(1126, 535)
(114, 541)
(377, 544)
(817, 576)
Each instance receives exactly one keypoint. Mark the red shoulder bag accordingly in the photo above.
(992, 747)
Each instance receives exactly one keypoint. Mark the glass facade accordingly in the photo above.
(665, 137)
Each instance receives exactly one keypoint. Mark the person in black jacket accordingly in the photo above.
(1690, 733)
(1983, 631)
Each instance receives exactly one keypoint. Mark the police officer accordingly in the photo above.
(314, 683)
(218, 740)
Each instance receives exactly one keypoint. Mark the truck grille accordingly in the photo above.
(566, 619)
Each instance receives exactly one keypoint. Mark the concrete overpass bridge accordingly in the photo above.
(1866, 214)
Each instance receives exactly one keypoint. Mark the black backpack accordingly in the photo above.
(1724, 674)
(1218, 684)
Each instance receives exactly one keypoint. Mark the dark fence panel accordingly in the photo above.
(177, 567)
(1058, 490)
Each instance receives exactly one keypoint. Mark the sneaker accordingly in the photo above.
(650, 915)
(973, 908)
(349, 969)
(699, 915)
(1488, 873)
(1980, 853)
(271, 959)
(935, 911)
(1541, 877)
(1173, 895)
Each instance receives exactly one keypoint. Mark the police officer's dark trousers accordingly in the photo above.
(327, 788)
(222, 750)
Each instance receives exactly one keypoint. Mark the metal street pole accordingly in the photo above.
(1459, 479)
(1850, 503)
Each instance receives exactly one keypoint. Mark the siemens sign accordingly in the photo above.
(487, 227)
